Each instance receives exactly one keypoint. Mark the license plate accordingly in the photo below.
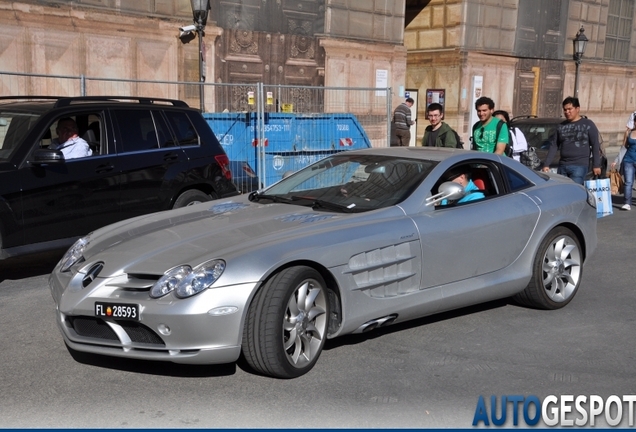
(117, 311)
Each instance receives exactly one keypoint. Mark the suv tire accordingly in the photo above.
(191, 197)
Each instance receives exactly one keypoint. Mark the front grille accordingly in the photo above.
(93, 328)
(140, 333)
(98, 329)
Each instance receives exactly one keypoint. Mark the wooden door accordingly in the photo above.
(539, 87)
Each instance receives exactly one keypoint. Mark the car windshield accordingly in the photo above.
(14, 127)
(350, 183)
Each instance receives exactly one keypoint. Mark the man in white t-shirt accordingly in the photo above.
(518, 139)
(72, 146)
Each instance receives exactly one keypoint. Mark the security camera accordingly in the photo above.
(188, 28)
(187, 36)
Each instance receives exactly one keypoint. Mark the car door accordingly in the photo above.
(153, 166)
(73, 197)
(469, 240)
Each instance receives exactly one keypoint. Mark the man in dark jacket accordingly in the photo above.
(575, 138)
(438, 133)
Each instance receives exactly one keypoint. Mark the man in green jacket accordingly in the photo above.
(438, 133)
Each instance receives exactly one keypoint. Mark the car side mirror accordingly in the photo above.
(447, 191)
(47, 156)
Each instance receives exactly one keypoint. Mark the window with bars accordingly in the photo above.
(619, 30)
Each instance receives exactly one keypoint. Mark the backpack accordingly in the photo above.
(508, 150)
(458, 139)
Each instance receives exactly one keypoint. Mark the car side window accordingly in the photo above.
(182, 127)
(478, 179)
(515, 180)
(136, 130)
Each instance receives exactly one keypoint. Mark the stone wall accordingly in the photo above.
(117, 40)
(71, 41)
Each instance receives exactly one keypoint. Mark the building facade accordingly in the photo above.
(332, 43)
(520, 53)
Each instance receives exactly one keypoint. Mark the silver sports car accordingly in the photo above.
(359, 240)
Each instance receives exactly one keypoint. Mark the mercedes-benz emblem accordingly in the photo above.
(92, 273)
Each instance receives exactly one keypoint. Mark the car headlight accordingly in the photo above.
(186, 281)
(75, 254)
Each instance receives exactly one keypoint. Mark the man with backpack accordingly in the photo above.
(438, 133)
(489, 133)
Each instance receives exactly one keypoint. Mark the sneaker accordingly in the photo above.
(626, 207)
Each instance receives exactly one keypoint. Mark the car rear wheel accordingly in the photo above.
(557, 272)
(191, 197)
(286, 325)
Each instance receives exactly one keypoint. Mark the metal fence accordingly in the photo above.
(370, 106)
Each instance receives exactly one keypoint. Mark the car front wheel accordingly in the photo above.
(557, 272)
(286, 325)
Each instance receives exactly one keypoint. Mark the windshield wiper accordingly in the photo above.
(255, 196)
(328, 205)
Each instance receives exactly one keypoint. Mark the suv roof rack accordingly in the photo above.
(29, 97)
(523, 117)
(63, 101)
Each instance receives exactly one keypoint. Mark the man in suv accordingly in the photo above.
(146, 155)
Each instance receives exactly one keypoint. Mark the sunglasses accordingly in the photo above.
(481, 133)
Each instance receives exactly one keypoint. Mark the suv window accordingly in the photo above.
(137, 130)
(90, 129)
(14, 127)
(162, 137)
(183, 128)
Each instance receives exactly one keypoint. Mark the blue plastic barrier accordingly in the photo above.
(292, 141)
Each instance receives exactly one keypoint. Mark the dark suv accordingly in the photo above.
(148, 155)
(539, 131)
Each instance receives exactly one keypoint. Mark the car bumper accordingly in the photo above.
(203, 329)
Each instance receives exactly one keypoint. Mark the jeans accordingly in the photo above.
(575, 172)
(630, 168)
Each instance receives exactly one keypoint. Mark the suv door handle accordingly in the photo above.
(104, 169)
(170, 157)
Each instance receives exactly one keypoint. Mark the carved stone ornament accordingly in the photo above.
(244, 41)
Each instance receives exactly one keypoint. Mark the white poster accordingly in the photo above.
(381, 81)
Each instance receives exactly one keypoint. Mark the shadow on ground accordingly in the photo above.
(29, 265)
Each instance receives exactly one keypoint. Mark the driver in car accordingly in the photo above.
(461, 175)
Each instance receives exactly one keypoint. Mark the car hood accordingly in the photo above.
(223, 229)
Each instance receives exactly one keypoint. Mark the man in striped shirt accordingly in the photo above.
(402, 123)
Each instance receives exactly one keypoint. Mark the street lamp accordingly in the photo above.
(580, 42)
(200, 10)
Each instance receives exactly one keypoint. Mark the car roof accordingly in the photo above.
(436, 154)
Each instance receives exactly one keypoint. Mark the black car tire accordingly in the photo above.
(556, 272)
(286, 325)
(191, 197)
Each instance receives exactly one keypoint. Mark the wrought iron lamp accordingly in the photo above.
(200, 10)
(580, 42)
